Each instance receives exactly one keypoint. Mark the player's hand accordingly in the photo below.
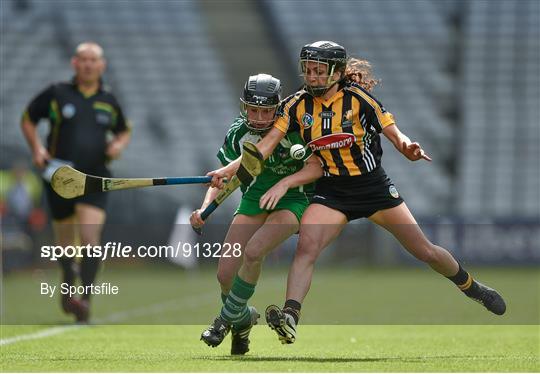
(220, 175)
(413, 151)
(270, 199)
(114, 149)
(217, 177)
(225, 173)
(40, 157)
(195, 219)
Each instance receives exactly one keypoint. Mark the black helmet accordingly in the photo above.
(326, 52)
(261, 90)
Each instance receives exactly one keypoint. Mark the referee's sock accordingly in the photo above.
(68, 273)
(465, 282)
(89, 269)
(293, 308)
(235, 309)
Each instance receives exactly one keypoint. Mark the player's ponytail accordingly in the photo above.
(360, 72)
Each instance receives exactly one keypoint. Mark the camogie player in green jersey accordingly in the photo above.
(258, 231)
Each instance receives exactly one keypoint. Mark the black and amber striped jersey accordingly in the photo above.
(343, 130)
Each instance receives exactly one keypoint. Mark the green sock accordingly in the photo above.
(223, 298)
(235, 310)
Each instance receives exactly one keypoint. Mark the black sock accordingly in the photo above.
(68, 274)
(293, 307)
(89, 268)
(465, 282)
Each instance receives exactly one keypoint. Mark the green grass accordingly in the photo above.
(318, 349)
(380, 320)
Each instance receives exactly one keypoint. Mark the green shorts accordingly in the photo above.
(251, 207)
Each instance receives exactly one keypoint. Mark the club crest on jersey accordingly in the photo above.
(307, 120)
(347, 120)
(332, 141)
(393, 191)
(68, 110)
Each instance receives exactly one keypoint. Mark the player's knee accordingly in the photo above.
(225, 279)
(308, 249)
(252, 256)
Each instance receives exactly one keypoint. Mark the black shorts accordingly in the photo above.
(63, 208)
(359, 196)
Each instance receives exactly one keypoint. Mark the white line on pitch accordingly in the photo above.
(112, 318)
(39, 335)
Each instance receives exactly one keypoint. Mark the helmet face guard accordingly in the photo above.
(259, 102)
(329, 57)
(259, 118)
(320, 65)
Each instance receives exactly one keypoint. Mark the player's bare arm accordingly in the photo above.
(412, 150)
(195, 219)
(266, 146)
(39, 152)
(311, 171)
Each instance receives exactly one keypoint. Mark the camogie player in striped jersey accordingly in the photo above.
(341, 122)
(257, 230)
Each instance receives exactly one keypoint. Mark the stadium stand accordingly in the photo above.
(499, 174)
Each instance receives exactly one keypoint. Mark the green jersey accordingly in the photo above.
(279, 165)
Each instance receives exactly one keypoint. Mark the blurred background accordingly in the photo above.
(461, 77)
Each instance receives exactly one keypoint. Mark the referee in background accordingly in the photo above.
(87, 130)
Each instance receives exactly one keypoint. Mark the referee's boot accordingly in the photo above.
(240, 338)
(282, 323)
(489, 298)
(79, 308)
(216, 332)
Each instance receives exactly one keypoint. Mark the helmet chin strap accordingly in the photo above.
(330, 75)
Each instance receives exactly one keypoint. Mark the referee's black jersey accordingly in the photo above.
(352, 115)
(79, 124)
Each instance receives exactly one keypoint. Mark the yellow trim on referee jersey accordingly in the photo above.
(103, 106)
(26, 116)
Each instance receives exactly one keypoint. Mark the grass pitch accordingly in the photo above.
(362, 304)
(318, 349)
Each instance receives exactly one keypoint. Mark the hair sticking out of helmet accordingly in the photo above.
(259, 101)
(360, 72)
(319, 63)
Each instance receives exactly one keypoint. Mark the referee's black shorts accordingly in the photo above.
(63, 208)
(358, 196)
